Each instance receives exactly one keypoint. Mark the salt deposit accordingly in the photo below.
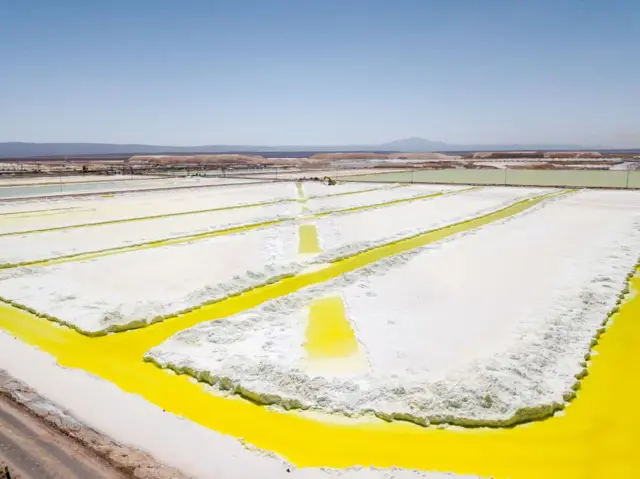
(65, 179)
(62, 189)
(489, 327)
(627, 165)
(383, 195)
(314, 188)
(138, 287)
(35, 247)
(55, 213)
(347, 233)
(27, 247)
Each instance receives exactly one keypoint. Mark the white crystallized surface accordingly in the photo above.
(475, 327)
(62, 189)
(94, 295)
(28, 247)
(314, 188)
(142, 285)
(31, 247)
(30, 215)
(383, 195)
(65, 179)
(347, 233)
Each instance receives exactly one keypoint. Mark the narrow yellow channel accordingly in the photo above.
(596, 437)
(329, 333)
(42, 212)
(302, 196)
(308, 240)
(50, 213)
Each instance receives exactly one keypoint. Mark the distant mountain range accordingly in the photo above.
(415, 145)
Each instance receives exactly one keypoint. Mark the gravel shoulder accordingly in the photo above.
(31, 449)
(38, 440)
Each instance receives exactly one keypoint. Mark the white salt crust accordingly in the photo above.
(488, 327)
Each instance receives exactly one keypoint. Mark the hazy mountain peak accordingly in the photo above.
(413, 143)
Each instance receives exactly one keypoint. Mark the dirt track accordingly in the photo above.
(31, 449)
(41, 438)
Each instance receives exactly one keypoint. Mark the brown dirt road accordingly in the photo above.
(30, 449)
(39, 439)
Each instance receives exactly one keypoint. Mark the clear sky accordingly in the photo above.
(190, 72)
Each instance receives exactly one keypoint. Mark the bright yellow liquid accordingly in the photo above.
(308, 240)
(329, 333)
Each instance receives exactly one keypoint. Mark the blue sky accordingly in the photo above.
(320, 72)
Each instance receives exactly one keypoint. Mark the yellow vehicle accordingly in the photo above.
(328, 181)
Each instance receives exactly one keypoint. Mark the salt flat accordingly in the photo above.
(382, 195)
(41, 214)
(57, 179)
(314, 188)
(27, 247)
(66, 189)
(349, 232)
(489, 326)
(138, 287)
